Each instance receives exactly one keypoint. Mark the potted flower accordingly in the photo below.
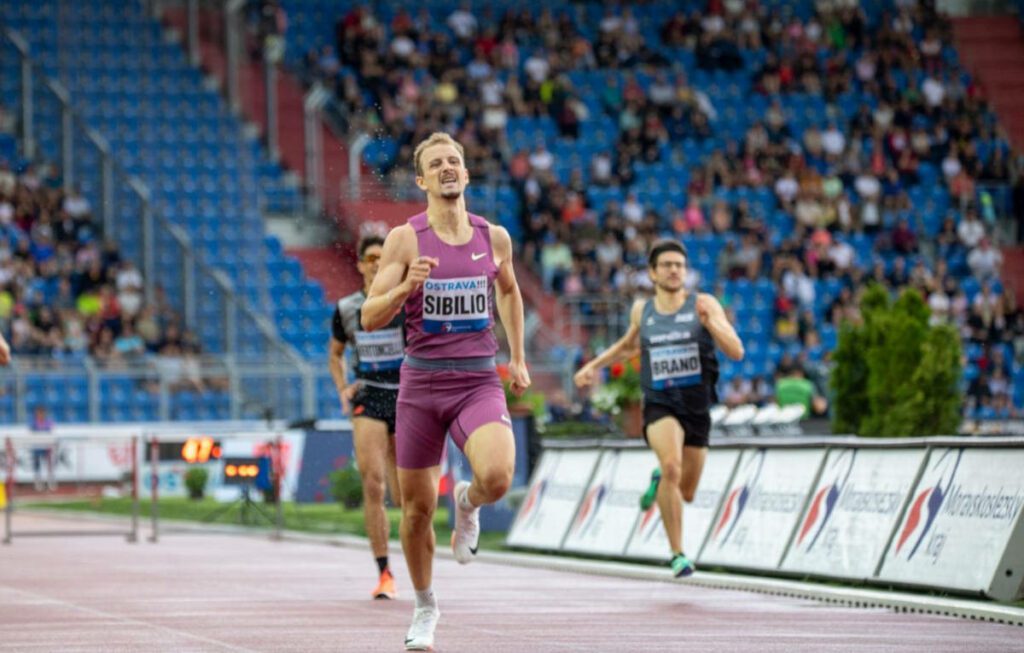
(620, 396)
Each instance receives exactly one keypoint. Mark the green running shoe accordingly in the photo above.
(647, 500)
(681, 566)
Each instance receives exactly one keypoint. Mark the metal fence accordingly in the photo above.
(157, 388)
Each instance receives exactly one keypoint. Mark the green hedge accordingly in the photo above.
(895, 375)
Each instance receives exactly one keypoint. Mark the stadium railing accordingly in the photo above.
(155, 387)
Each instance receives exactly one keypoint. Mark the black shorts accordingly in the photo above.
(376, 403)
(696, 427)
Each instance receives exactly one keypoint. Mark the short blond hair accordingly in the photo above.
(437, 138)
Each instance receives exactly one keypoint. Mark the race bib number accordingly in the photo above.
(456, 305)
(675, 365)
(380, 350)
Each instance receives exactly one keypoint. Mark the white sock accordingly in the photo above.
(426, 599)
(463, 500)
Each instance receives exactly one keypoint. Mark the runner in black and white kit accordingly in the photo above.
(370, 402)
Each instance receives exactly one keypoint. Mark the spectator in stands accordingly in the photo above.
(984, 260)
(463, 22)
(43, 455)
(541, 160)
(762, 390)
(904, 240)
(738, 392)
(970, 230)
(794, 388)
(75, 205)
(272, 23)
(979, 393)
(556, 261)
(128, 344)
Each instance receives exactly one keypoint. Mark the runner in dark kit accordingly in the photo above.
(676, 333)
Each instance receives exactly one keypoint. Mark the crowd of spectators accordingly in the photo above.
(65, 293)
(919, 124)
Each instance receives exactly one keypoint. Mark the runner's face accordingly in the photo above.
(669, 272)
(370, 262)
(444, 174)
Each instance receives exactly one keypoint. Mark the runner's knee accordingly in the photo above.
(494, 483)
(373, 487)
(671, 472)
(417, 513)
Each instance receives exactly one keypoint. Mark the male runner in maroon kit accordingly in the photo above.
(449, 269)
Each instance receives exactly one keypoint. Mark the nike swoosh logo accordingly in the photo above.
(477, 257)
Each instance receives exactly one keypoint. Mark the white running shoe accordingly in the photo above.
(421, 633)
(466, 537)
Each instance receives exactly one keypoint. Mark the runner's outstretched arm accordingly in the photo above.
(509, 301)
(624, 348)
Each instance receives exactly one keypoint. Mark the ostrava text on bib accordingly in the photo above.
(458, 305)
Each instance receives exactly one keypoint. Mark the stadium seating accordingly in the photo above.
(172, 131)
(165, 126)
(661, 185)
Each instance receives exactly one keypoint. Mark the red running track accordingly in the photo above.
(221, 592)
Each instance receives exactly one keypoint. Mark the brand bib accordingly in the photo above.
(675, 365)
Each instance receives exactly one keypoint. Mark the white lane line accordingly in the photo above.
(43, 599)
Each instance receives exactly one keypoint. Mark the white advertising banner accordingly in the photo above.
(557, 486)
(648, 540)
(960, 521)
(609, 508)
(853, 509)
(761, 508)
(72, 460)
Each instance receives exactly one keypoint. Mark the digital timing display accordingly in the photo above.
(197, 450)
(247, 470)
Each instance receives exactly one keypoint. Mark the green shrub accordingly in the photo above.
(849, 379)
(347, 486)
(195, 482)
(894, 374)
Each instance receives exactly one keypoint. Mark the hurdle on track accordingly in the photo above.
(120, 457)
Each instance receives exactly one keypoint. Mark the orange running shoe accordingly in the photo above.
(386, 587)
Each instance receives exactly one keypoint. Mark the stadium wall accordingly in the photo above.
(929, 513)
